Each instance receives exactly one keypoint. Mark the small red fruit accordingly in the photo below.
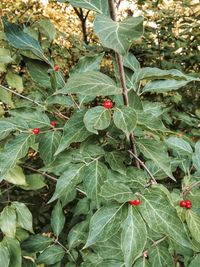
(135, 202)
(56, 68)
(188, 205)
(108, 104)
(182, 203)
(53, 123)
(36, 131)
(188, 202)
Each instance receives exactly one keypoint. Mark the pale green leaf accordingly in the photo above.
(116, 161)
(179, 145)
(34, 182)
(5, 59)
(8, 221)
(193, 223)
(24, 216)
(77, 234)
(118, 35)
(67, 181)
(162, 217)
(15, 149)
(91, 83)
(57, 219)
(15, 81)
(16, 176)
(97, 118)
(142, 262)
(125, 118)
(99, 6)
(159, 256)
(156, 151)
(48, 145)
(6, 128)
(87, 63)
(51, 255)
(6, 97)
(131, 62)
(14, 251)
(36, 243)
(104, 223)
(47, 28)
(94, 176)
(133, 237)
(74, 131)
(195, 261)
(113, 190)
(4, 256)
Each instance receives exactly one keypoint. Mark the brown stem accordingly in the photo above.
(119, 61)
(83, 19)
(144, 166)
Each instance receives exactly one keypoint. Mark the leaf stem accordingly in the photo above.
(22, 96)
(119, 61)
(66, 250)
(144, 167)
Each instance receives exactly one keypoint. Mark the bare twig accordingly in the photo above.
(119, 61)
(144, 166)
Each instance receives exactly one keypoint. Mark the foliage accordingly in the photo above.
(66, 187)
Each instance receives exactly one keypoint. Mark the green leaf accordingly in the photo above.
(67, 181)
(15, 149)
(118, 35)
(156, 151)
(87, 63)
(48, 145)
(125, 118)
(47, 28)
(131, 62)
(16, 176)
(36, 243)
(104, 223)
(179, 145)
(4, 255)
(21, 40)
(196, 156)
(34, 182)
(113, 190)
(142, 262)
(116, 161)
(99, 6)
(91, 83)
(32, 117)
(74, 131)
(24, 216)
(162, 86)
(156, 73)
(133, 237)
(28, 263)
(161, 216)
(15, 81)
(51, 255)
(8, 221)
(150, 122)
(6, 128)
(159, 256)
(5, 59)
(6, 97)
(94, 176)
(77, 234)
(193, 223)
(57, 219)
(195, 261)
(14, 251)
(97, 118)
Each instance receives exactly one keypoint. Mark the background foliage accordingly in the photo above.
(45, 221)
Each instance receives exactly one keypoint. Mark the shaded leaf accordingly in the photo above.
(4, 255)
(14, 251)
(36, 243)
(51, 255)
(24, 216)
(57, 219)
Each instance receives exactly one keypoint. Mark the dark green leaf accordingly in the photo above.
(115, 159)
(51, 255)
(179, 145)
(57, 219)
(159, 256)
(24, 216)
(36, 243)
(4, 256)
(77, 234)
(131, 62)
(14, 251)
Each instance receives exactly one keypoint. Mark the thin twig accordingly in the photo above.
(144, 166)
(189, 188)
(66, 250)
(119, 61)
(22, 96)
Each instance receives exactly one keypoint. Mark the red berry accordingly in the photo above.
(188, 202)
(108, 104)
(56, 68)
(53, 123)
(188, 205)
(182, 203)
(135, 202)
(36, 131)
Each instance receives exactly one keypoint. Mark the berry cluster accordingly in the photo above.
(135, 202)
(185, 204)
(37, 130)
